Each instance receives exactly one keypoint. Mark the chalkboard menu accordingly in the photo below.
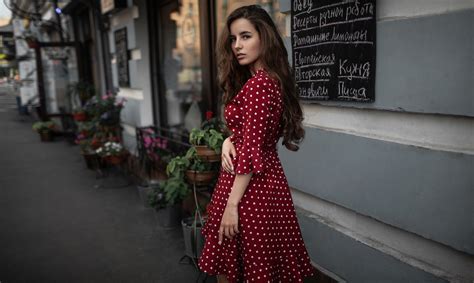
(334, 49)
(121, 54)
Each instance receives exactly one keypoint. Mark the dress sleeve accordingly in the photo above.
(257, 112)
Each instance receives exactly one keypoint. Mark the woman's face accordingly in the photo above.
(245, 42)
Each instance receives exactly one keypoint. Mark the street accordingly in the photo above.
(60, 223)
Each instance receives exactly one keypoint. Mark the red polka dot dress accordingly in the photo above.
(269, 247)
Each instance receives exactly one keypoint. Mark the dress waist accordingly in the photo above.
(268, 147)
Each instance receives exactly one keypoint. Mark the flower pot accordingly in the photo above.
(200, 178)
(46, 136)
(93, 161)
(169, 217)
(114, 159)
(207, 154)
(80, 116)
(193, 239)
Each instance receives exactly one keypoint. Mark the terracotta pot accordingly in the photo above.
(80, 116)
(207, 154)
(200, 178)
(114, 159)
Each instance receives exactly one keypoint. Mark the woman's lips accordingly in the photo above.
(240, 56)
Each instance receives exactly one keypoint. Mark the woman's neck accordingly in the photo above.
(255, 67)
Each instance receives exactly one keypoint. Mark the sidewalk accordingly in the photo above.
(58, 225)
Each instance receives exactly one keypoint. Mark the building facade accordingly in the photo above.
(384, 190)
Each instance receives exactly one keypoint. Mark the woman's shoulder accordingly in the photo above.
(260, 89)
(261, 80)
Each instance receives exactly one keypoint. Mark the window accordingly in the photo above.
(180, 74)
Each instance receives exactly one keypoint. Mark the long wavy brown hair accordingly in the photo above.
(274, 57)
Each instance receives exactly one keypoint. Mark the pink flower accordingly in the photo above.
(147, 141)
(164, 145)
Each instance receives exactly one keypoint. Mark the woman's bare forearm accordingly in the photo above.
(241, 182)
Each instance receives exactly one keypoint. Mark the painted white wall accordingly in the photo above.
(142, 105)
(438, 132)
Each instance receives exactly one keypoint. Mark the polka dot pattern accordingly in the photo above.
(269, 247)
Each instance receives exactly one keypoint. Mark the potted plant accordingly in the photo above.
(112, 152)
(92, 159)
(109, 108)
(45, 129)
(175, 190)
(156, 197)
(79, 115)
(86, 128)
(209, 138)
(155, 157)
(208, 143)
(199, 172)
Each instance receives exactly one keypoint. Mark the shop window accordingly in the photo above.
(180, 80)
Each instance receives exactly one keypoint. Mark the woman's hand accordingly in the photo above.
(229, 223)
(228, 153)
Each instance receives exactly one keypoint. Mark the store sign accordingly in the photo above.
(121, 54)
(334, 49)
(107, 6)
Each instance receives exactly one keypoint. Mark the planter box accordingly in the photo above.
(193, 239)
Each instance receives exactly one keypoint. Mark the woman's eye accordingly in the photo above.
(246, 36)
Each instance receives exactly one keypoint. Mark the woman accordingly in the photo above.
(252, 234)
